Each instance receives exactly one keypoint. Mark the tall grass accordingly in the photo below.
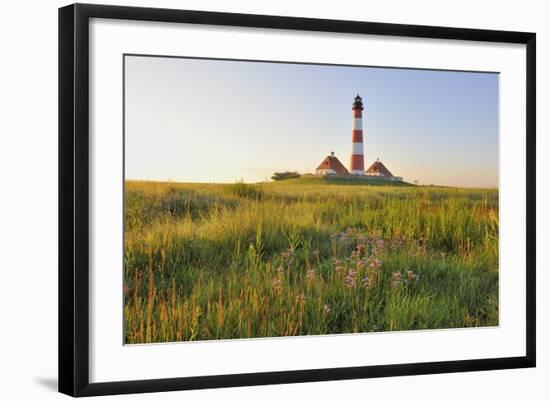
(213, 261)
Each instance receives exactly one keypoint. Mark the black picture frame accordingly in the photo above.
(74, 198)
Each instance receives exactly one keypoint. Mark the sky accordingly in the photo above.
(199, 120)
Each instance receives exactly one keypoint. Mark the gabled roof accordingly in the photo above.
(378, 168)
(332, 163)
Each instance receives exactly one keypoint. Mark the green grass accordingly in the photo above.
(310, 179)
(306, 256)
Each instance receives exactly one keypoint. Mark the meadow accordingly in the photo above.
(306, 257)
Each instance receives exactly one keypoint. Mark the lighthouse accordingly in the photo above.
(357, 163)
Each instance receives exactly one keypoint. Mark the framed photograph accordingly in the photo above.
(251, 199)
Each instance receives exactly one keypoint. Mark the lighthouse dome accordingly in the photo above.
(358, 103)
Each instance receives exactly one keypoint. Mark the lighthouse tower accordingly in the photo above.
(357, 164)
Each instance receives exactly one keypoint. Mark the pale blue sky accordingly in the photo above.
(220, 121)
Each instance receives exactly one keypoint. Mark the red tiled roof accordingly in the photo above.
(379, 168)
(332, 163)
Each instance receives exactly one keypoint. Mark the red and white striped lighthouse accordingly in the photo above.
(357, 165)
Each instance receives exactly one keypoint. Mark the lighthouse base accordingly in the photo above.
(357, 177)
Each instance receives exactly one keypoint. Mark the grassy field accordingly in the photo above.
(304, 257)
